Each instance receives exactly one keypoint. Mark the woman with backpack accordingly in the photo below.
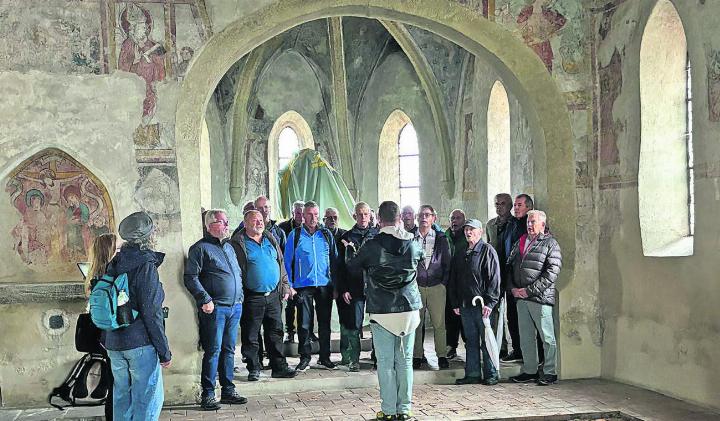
(103, 250)
(138, 351)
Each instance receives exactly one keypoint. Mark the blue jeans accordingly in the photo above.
(475, 342)
(218, 336)
(394, 369)
(138, 387)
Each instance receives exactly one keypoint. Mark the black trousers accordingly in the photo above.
(290, 317)
(453, 326)
(512, 321)
(310, 300)
(260, 310)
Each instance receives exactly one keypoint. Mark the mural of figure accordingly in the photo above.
(611, 83)
(538, 23)
(141, 55)
(77, 216)
(470, 179)
(57, 199)
(183, 61)
(714, 85)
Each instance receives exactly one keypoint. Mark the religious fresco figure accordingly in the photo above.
(145, 57)
(538, 23)
(61, 208)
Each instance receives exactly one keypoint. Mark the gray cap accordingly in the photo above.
(473, 223)
(136, 226)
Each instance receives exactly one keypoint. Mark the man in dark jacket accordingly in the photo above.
(265, 286)
(535, 263)
(476, 273)
(453, 322)
(295, 221)
(331, 223)
(262, 205)
(213, 277)
(138, 351)
(390, 261)
(432, 279)
(350, 288)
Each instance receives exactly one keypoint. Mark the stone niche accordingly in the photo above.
(55, 207)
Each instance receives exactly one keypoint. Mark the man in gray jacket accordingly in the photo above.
(535, 263)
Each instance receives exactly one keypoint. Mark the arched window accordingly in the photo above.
(409, 167)
(288, 146)
(665, 174)
(498, 154)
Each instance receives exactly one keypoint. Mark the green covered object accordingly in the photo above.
(310, 177)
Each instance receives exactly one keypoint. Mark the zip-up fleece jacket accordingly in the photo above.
(146, 297)
(238, 243)
(438, 270)
(538, 269)
(352, 281)
(212, 273)
(315, 258)
(474, 272)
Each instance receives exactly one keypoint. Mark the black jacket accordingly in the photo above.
(212, 273)
(238, 244)
(347, 281)
(475, 272)
(538, 270)
(438, 269)
(390, 265)
(287, 226)
(146, 297)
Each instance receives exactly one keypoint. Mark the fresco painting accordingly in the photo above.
(714, 85)
(62, 207)
(538, 23)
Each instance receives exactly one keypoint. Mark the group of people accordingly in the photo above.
(396, 266)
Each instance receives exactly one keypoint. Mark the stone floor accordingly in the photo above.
(320, 394)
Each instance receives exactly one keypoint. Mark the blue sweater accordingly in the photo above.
(314, 258)
(212, 273)
(146, 297)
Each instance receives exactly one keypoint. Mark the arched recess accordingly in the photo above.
(519, 67)
(61, 207)
(301, 128)
(498, 144)
(665, 165)
(388, 162)
(205, 168)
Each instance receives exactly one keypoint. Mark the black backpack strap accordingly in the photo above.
(64, 390)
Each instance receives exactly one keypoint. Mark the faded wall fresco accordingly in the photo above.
(610, 87)
(62, 207)
(714, 85)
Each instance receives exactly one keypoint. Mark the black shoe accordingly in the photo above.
(380, 416)
(233, 398)
(417, 363)
(303, 365)
(443, 363)
(327, 364)
(468, 380)
(290, 337)
(452, 353)
(547, 380)
(405, 417)
(209, 403)
(254, 376)
(490, 381)
(314, 338)
(286, 373)
(525, 378)
(354, 367)
(512, 357)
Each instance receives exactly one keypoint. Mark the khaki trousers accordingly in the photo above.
(433, 301)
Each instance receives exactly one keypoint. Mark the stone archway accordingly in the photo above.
(519, 68)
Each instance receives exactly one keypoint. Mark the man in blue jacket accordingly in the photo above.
(213, 277)
(310, 253)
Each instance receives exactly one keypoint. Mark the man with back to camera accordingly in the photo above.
(214, 279)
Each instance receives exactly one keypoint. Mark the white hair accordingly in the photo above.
(540, 214)
(211, 216)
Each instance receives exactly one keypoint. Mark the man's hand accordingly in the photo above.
(456, 311)
(347, 297)
(166, 364)
(486, 311)
(519, 292)
(208, 307)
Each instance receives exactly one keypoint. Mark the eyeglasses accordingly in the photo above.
(226, 223)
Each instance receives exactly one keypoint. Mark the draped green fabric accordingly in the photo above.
(310, 177)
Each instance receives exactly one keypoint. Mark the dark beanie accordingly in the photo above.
(136, 226)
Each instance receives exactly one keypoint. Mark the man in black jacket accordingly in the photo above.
(476, 273)
(214, 279)
(265, 286)
(535, 263)
(350, 287)
(295, 221)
